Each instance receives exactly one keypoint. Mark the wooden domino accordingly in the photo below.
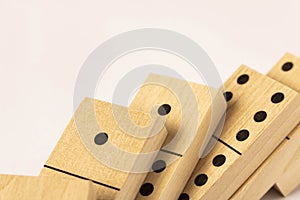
(45, 187)
(289, 180)
(281, 167)
(287, 71)
(95, 144)
(261, 112)
(193, 112)
(258, 184)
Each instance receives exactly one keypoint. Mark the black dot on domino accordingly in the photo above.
(201, 180)
(159, 166)
(287, 66)
(277, 97)
(260, 116)
(243, 79)
(219, 160)
(242, 135)
(164, 109)
(146, 189)
(101, 138)
(228, 95)
(184, 196)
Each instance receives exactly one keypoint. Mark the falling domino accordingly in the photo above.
(193, 112)
(269, 172)
(287, 71)
(281, 167)
(96, 147)
(261, 112)
(45, 187)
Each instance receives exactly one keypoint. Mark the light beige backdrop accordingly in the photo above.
(44, 43)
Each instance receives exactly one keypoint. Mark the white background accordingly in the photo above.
(44, 43)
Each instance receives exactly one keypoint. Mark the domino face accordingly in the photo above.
(45, 187)
(260, 114)
(192, 114)
(287, 71)
(94, 147)
(282, 165)
(259, 183)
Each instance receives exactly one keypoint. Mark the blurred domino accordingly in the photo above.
(190, 109)
(289, 180)
(260, 115)
(71, 158)
(45, 187)
(283, 164)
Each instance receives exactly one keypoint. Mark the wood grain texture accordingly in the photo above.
(195, 113)
(259, 183)
(76, 154)
(288, 77)
(282, 164)
(290, 179)
(46, 188)
(252, 93)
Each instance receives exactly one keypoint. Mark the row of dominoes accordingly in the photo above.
(194, 153)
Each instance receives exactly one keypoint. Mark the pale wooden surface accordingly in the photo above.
(47, 188)
(191, 115)
(75, 160)
(290, 179)
(283, 159)
(270, 171)
(255, 95)
(104, 192)
(289, 78)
